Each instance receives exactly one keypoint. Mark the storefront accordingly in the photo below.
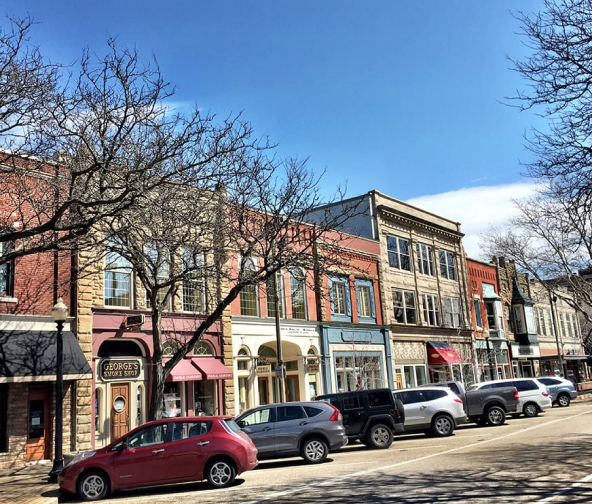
(493, 358)
(355, 358)
(122, 361)
(257, 374)
(525, 360)
(573, 357)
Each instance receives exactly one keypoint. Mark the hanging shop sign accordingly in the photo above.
(263, 367)
(110, 369)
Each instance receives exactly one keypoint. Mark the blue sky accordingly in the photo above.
(403, 97)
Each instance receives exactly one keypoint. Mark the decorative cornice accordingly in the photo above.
(412, 221)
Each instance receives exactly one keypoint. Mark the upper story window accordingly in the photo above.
(405, 309)
(194, 282)
(243, 361)
(275, 282)
(398, 253)
(170, 347)
(447, 265)
(431, 310)
(491, 315)
(249, 302)
(452, 314)
(562, 324)
(157, 266)
(203, 348)
(425, 259)
(365, 298)
(478, 315)
(118, 280)
(340, 298)
(6, 273)
(298, 291)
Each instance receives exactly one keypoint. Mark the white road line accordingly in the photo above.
(332, 481)
(566, 489)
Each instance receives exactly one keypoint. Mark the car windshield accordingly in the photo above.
(231, 424)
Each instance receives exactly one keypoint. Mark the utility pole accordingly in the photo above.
(280, 371)
(558, 340)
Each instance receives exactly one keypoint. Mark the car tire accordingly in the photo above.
(379, 436)
(530, 410)
(220, 473)
(442, 425)
(563, 400)
(92, 485)
(314, 450)
(495, 416)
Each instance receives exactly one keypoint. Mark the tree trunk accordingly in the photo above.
(158, 378)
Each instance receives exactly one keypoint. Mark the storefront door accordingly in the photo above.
(263, 390)
(38, 436)
(292, 388)
(120, 409)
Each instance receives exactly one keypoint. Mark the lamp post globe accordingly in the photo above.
(59, 314)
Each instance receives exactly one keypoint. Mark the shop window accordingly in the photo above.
(118, 279)
(291, 365)
(398, 253)
(98, 409)
(203, 349)
(157, 268)
(194, 285)
(405, 311)
(244, 400)
(248, 296)
(447, 265)
(272, 283)
(171, 400)
(6, 272)
(139, 403)
(414, 376)
(297, 288)
(205, 398)
(360, 371)
(431, 310)
(3, 418)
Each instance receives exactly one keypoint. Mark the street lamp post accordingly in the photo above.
(489, 361)
(59, 313)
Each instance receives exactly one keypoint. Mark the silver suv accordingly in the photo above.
(433, 410)
(308, 429)
(562, 391)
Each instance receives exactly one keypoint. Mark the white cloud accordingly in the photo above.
(476, 208)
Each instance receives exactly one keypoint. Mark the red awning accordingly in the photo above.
(212, 368)
(184, 371)
(443, 356)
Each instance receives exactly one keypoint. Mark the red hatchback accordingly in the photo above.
(163, 452)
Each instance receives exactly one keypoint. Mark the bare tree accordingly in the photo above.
(83, 144)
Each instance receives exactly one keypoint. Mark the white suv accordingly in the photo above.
(534, 396)
(433, 410)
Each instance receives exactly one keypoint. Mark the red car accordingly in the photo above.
(162, 452)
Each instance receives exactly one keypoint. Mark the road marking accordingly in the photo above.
(565, 490)
(337, 479)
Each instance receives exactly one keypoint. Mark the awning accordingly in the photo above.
(27, 356)
(212, 368)
(575, 357)
(441, 353)
(184, 371)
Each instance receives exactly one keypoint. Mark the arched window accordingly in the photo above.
(170, 347)
(120, 348)
(265, 351)
(248, 296)
(203, 348)
(297, 289)
(243, 360)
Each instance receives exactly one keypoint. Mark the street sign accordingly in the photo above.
(280, 372)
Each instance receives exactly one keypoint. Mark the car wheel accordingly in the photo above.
(379, 436)
(220, 473)
(93, 485)
(442, 425)
(530, 410)
(495, 415)
(563, 400)
(314, 450)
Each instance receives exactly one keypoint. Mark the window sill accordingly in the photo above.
(8, 299)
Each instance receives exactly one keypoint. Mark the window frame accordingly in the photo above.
(123, 269)
(360, 286)
(270, 297)
(395, 255)
(428, 298)
(425, 259)
(453, 318)
(404, 306)
(250, 290)
(478, 313)
(298, 283)
(447, 260)
(194, 282)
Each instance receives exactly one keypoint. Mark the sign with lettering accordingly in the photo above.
(134, 320)
(111, 369)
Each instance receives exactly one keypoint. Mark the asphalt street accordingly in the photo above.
(534, 460)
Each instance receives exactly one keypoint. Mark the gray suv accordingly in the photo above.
(562, 391)
(308, 429)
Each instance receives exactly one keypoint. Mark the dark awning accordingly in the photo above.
(213, 369)
(27, 356)
(441, 353)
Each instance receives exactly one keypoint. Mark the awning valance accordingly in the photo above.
(439, 352)
(212, 368)
(184, 370)
(27, 356)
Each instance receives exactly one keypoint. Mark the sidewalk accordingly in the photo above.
(27, 485)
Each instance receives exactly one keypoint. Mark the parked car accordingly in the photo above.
(370, 416)
(162, 452)
(562, 391)
(433, 410)
(487, 406)
(308, 429)
(534, 396)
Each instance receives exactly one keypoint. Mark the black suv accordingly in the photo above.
(371, 416)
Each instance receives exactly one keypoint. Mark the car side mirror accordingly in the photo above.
(122, 447)
(240, 423)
